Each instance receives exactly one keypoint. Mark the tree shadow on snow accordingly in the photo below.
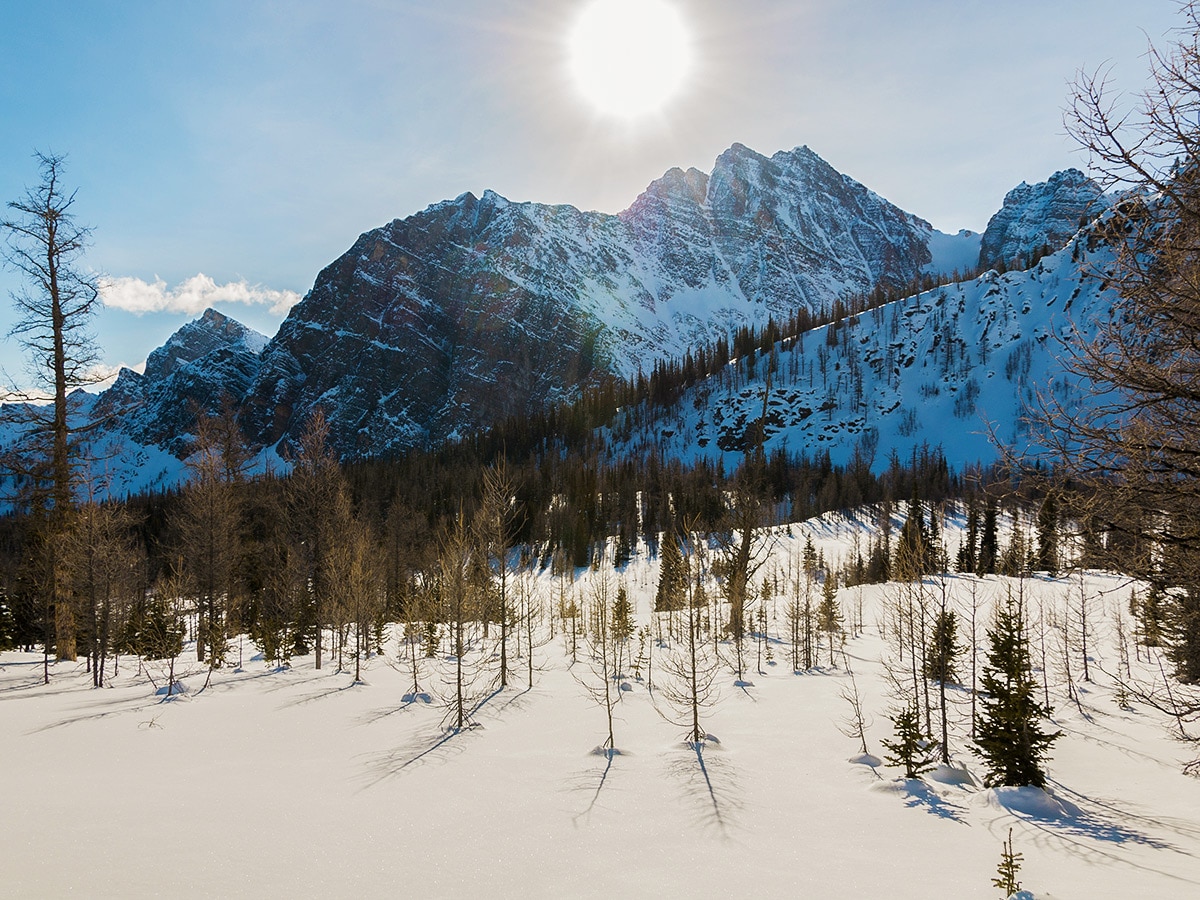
(1091, 834)
(420, 700)
(923, 796)
(117, 708)
(608, 754)
(1070, 812)
(322, 695)
(711, 780)
(431, 745)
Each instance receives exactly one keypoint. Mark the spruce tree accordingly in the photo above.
(672, 577)
(910, 749)
(989, 540)
(622, 616)
(1047, 528)
(913, 548)
(1006, 872)
(1150, 611)
(8, 626)
(1010, 737)
(943, 648)
(829, 614)
(1183, 634)
(968, 552)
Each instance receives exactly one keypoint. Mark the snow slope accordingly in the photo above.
(301, 783)
(961, 366)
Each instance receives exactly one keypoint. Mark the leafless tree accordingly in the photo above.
(45, 244)
(357, 584)
(528, 620)
(496, 524)
(101, 560)
(743, 552)
(602, 652)
(691, 669)
(460, 607)
(316, 489)
(1136, 446)
(209, 525)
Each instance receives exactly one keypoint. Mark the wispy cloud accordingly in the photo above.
(101, 376)
(191, 296)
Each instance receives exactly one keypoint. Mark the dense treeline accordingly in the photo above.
(268, 557)
(238, 552)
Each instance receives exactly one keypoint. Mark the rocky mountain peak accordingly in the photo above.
(1046, 214)
(199, 338)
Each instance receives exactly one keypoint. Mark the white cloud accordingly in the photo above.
(100, 377)
(191, 296)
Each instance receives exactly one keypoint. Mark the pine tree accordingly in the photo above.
(1010, 736)
(1047, 527)
(989, 540)
(943, 648)
(672, 578)
(910, 749)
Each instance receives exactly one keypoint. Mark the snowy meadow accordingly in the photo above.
(260, 779)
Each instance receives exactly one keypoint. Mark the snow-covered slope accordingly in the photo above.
(300, 782)
(955, 366)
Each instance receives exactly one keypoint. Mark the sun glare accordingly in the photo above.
(629, 57)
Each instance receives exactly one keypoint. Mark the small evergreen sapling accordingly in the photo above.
(1010, 865)
(910, 749)
(829, 614)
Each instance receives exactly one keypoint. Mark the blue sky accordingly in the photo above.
(253, 141)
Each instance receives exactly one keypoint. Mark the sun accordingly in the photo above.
(628, 58)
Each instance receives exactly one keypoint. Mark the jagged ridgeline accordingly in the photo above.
(480, 310)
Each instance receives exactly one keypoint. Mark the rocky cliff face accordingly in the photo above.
(1040, 215)
(479, 307)
(208, 362)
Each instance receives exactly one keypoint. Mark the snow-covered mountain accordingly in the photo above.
(210, 361)
(958, 366)
(480, 307)
(146, 421)
(476, 308)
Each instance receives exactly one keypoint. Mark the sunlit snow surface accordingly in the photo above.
(301, 783)
(968, 367)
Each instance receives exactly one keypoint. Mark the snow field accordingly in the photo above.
(302, 783)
